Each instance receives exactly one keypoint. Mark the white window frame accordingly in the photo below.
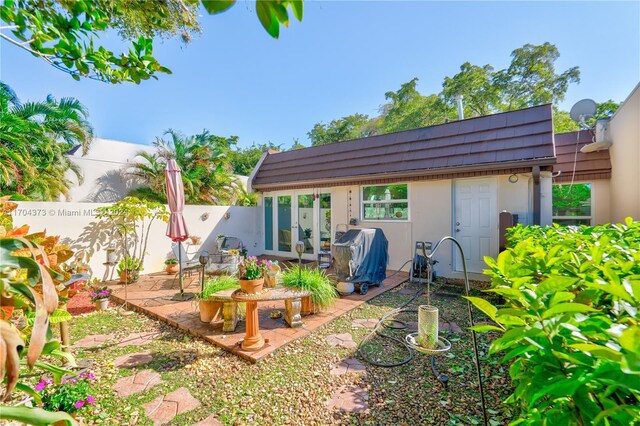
(382, 202)
(592, 199)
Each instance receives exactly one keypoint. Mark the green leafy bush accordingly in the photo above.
(323, 293)
(570, 322)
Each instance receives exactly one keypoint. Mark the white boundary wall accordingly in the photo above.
(76, 225)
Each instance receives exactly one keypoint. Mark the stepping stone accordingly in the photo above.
(364, 323)
(164, 408)
(142, 380)
(350, 398)
(450, 326)
(348, 365)
(133, 360)
(210, 421)
(138, 339)
(93, 340)
(343, 340)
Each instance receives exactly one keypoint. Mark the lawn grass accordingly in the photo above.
(293, 385)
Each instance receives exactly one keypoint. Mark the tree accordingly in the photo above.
(34, 140)
(205, 170)
(243, 160)
(342, 129)
(475, 85)
(66, 33)
(531, 78)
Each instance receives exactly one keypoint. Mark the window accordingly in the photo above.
(572, 204)
(385, 202)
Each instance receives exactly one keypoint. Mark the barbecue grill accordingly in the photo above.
(361, 257)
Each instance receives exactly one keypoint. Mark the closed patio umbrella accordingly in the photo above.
(177, 227)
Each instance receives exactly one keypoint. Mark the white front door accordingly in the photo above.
(475, 222)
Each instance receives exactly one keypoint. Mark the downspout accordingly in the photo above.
(537, 195)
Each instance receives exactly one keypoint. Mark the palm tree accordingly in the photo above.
(202, 158)
(34, 140)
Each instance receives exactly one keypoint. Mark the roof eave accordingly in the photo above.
(547, 161)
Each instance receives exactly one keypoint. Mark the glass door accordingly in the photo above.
(305, 223)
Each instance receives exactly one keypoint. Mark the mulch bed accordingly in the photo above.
(81, 304)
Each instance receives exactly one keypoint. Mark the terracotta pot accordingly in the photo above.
(172, 269)
(209, 311)
(102, 304)
(308, 307)
(252, 286)
(129, 277)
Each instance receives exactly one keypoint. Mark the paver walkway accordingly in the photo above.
(153, 293)
(133, 360)
(364, 323)
(93, 340)
(348, 365)
(350, 398)
(164, 408)
(138, 339)
(343, 340)
(138, 382)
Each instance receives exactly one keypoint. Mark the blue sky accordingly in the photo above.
(236, 80)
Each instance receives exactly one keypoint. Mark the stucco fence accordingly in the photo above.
(78, 227)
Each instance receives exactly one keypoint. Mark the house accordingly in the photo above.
(416, 185)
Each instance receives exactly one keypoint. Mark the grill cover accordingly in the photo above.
(361, 255)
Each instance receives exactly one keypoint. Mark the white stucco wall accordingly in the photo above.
(624, 131)
(101, 169)
(76, 224)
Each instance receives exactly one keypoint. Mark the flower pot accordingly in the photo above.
(112, 258)
(172, 269)
(209, 311)
(252, 286)
(129, 277)
(345, 287)
(102, 304)
(308, 307)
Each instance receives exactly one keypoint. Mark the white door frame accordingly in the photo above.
(315, 240)
(493, 223)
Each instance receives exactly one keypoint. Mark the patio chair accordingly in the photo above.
(189, 265)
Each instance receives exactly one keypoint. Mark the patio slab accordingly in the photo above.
(152, 296)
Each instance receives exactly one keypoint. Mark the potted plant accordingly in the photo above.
(211, 310)
(71, 395)
(172, 266)
(251, 272)
(100, 297)
(129, 270)
(314, 280)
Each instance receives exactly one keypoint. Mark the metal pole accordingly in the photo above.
(180, 267)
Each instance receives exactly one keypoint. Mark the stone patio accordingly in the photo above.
(152, 295)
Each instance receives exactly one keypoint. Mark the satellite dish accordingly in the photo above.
(583, 110)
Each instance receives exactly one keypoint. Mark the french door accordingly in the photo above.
(293, 217)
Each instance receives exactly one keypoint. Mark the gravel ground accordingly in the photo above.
(292, 386)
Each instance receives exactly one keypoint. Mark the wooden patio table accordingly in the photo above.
(253, 340)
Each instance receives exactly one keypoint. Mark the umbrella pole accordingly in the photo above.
(180, 267)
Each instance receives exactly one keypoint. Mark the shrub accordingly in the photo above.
(570, 322)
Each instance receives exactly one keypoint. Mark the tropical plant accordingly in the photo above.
(66, 34)
(130, 220)
(34, 140)
(571, 322)
(202, 159)
(314, 280)
(219, 283)
(21, 279)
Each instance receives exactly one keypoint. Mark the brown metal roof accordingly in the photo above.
(588, 166)
(495, 142)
